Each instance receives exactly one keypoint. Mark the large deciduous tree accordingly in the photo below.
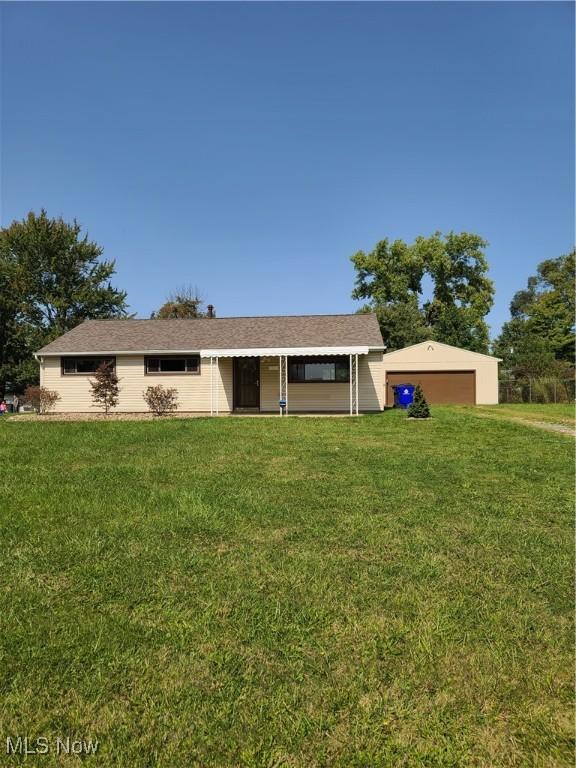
(539, 339)
(51, 278)
(18, 337)
(391, 277)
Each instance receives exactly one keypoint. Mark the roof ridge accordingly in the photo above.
(443, 344)
(227, 317)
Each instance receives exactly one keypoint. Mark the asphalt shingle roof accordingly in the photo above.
(219, 333)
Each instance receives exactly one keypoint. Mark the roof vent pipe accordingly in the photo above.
(211, 312)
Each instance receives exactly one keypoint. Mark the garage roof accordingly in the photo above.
(430, 345)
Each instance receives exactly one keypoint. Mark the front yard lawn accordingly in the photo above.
(551, 413)
(310, 592)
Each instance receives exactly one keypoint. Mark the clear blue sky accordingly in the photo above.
(250, 149)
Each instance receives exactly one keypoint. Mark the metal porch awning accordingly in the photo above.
(286, 351)
(283, 354)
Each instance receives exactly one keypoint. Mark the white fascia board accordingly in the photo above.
(92, 352)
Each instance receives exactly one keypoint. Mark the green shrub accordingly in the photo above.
(549, 391)
(161, 401)
(40, 398)
(419, 408)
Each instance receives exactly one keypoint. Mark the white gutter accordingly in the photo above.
(92, 352)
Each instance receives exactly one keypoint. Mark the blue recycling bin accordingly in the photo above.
(404, 395)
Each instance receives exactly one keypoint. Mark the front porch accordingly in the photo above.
(321, 381)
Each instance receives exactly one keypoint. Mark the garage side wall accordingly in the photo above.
(447, 359)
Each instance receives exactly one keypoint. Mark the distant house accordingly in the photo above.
(304, 364)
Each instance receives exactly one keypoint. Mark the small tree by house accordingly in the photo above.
(105, 389)
(160, 400)
(419, 408)
(40, 398)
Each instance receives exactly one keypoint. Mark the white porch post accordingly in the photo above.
(214, 396)
(279, 384)
(217, 386)
(356, 366)
(211, 386)
(350, 370)
(283, 382)
(353, 385)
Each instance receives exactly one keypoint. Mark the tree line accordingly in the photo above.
(52, 277)
(539, 338)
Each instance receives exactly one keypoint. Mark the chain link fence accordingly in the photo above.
(537, 391)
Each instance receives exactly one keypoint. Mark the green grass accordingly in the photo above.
(298, 592)
(552, 413)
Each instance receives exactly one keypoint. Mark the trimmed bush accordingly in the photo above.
(161, 401)
(419, 408)
(40, 398)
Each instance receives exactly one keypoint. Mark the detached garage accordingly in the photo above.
(448, 375)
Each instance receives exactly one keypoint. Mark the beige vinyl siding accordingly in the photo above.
(193, 390)
(312, 396)
(332, 396)
(269, 384)
(371, 382)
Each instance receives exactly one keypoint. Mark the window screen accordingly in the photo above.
(173, 364)
(72, 365)
(319, 369)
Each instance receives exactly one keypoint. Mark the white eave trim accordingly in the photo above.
(248, 352)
